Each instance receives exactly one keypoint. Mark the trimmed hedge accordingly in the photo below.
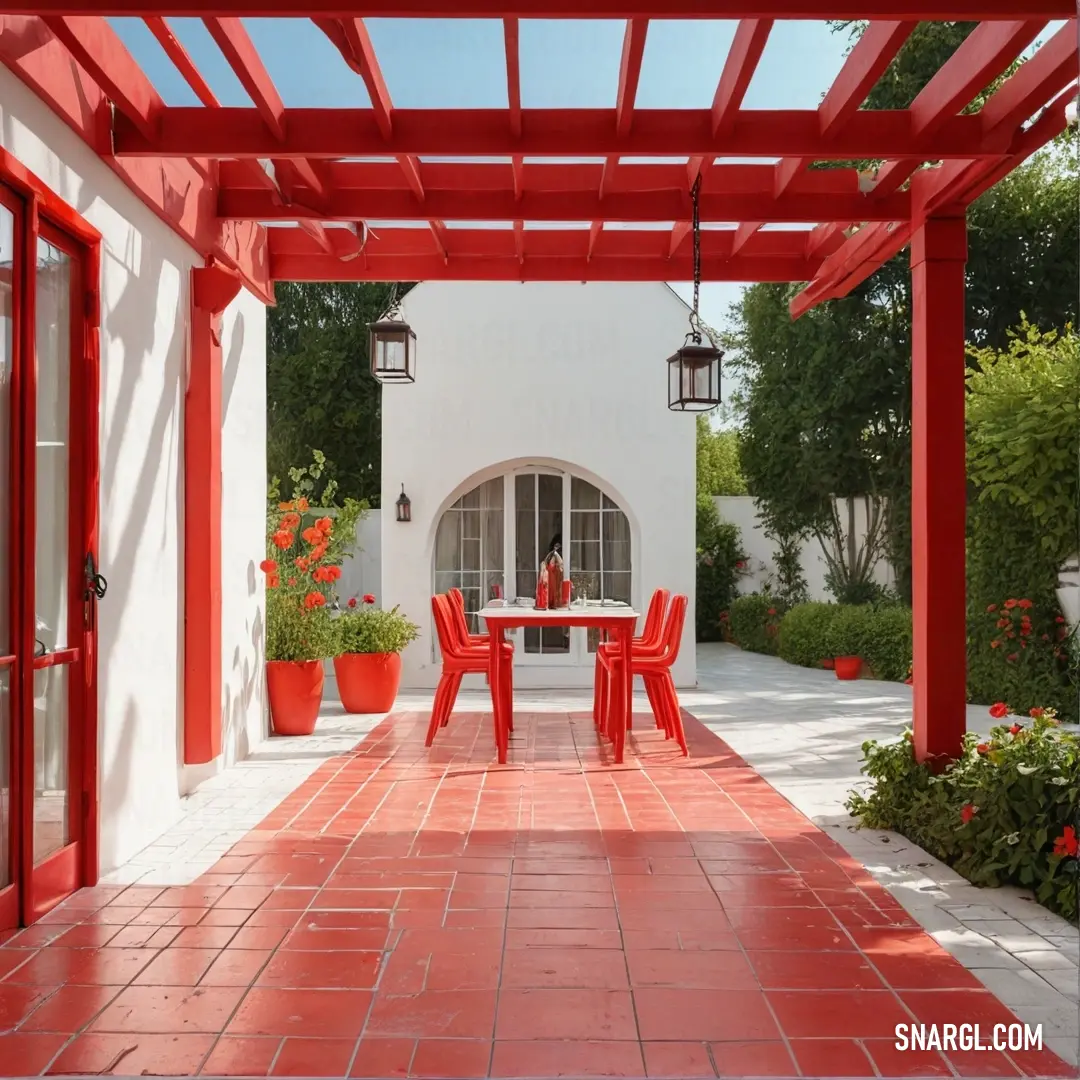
(755, 623)
(810, 633)
(805, 634)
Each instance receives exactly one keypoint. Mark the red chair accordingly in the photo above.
(648, 642)
(460, 659)
(457, 601)
(655, 669)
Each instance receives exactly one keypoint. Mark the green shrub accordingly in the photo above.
(1004, 813)
(887, 647)
(755, 623)
(720, 564)
(371, 630)
(850, 630)
(805, 634)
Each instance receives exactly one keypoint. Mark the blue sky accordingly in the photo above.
(447, 63)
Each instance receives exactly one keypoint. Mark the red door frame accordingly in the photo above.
(39, 212)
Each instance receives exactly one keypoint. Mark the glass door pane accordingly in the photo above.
(7, 489)
(52, 577)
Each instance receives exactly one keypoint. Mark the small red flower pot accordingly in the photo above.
(295, 689)
(827, 663)
(368, 682)
(847, 667)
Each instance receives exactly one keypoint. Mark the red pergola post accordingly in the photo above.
(938, 486)
(212, 289)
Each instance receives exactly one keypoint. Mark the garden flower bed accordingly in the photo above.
(1006, 812)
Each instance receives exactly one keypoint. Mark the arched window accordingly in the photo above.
(498, 533)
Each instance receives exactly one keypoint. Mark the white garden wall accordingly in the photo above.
(144, 297)
(554, 375)
(741, 510)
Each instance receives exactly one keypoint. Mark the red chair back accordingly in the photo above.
(673, 628)
(654, 619)
(457, 611)
(444, 626)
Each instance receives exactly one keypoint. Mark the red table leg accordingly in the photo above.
(501, 700)
(624, 637)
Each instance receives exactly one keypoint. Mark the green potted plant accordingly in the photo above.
(848, 636)
(367, 660)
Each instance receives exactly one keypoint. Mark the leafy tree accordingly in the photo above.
(718, 471)
(319, 389)
(826, 401)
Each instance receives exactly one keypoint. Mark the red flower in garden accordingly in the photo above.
(302, 504)
(982, 748)
(314, 600)
(1010, 604)
(1015, 729)
(772, 611)
(312, 535)
(991, 607)
(1025, 604)
(352, 601)
(268, 566)
(1003, 622)
(999, 709)
(333, 573)
(324, 525)
(272, 581)
(283, 539)
(286, 506)
(1013, 657)
(1046, 637)
(292, 581)
(1059, 618)
(319, 574)
(995, 644)
(290, 521)
(301, 563)
(1035, 714)
(1067, 843)
(368, 598)
(967, 812)
(740, 565)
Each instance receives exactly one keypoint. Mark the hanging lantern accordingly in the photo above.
(392, 347)
(694, 371)
(404, 506)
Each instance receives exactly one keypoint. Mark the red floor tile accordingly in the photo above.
(581, 1058)
(405, 907)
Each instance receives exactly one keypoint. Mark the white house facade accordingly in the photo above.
(539, 414)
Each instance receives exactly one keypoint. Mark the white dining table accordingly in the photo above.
(619, 620)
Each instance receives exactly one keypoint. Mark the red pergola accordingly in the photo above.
(263, 194)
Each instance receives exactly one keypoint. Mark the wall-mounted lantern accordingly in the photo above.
(694, 371)
(392, 347)
(404, 506)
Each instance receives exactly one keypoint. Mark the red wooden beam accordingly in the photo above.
(239, 50)
(566, 9)
(179, 192)
(180, 58)
(633, 51)
(596, 267)
(576, 205)
(742, 60)
(865, 64)
(984, 54)
(513, 74)
(353, 41)
(519, 241)
(104, 57)
(351, 133)
(679, 232)
(743, 234)
(595, 229)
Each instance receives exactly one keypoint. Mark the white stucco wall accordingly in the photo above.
(144, 296)
(362, 574)
(558, 374)
(742, 510)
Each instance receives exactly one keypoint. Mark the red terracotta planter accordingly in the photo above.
(368, 682)
(295, 689)
(848, 667)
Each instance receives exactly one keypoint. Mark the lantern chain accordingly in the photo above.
(695, 327)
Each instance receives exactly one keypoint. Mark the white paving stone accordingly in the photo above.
(803, 731)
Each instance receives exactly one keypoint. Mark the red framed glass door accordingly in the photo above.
(48, 494)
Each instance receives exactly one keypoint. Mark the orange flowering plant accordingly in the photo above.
(308, 536)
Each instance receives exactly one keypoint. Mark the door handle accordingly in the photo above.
(96, 585)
